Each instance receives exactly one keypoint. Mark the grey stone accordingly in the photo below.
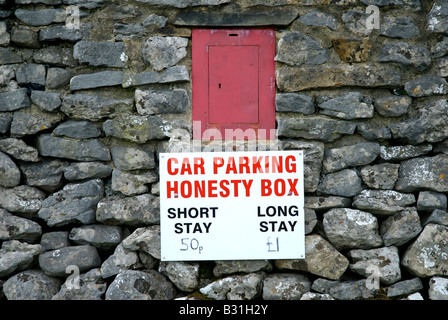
(316, 296)
(399, 27)
(319, 19)
(294, 102)
(47, 101)
(49, 2)
(14, 100)
(406, 54)
(350, 156)
(383, 202)
(54, 240)
(332, 266)
(381, 176)
(427, 255)
(438, 217)
(423, 173)
(392, 106)
(168, 75)
(9, 172)
(100, 53)
(186, 3)
(32, 120)
(426, 86)
(295, 48)
(140, 285)
(373, 130)
(136, 211)
(56, 56)
(86, 286)
(314, 128)
(17, 256)
(100, 236)
(399, 153)
(86, 170)
(428, 201)
(76, 202)
(155, 20)
(43, 17)
(355, 21)
(240, 266)
(25, 37)
(7, 73)
(5, 37)
(17, 228)
(351, 228)
(320, 204)
(437, 18)
(31, 73)
(132, 183)
(62, 33)
(401, 227)
(31, 285)
(405, 4)
(438, 288)
(348, 106)
(57, 77)
(441, 67)
(45, 175)
(404, 287)
(285, 286)
(5, 122)
(292, 79)
(124, 31)
(136, 128)
(8, 56)
(381, 262)
(242, 287)
(96, 80)
(81, 106)
(344, 183)
(85, 4)
(312, 160)
(440, 48)
(128, 158)
(149, 102)
(184, 275)
(19, 150)
(277, 17)
(55, 263)
(310, 220)
(122, 259)
(22, 199)
(144, 239)
(345, 290)
(163, 52)
(428, 125)
(77, 129)
(89, 150)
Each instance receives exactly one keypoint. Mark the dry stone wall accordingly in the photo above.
(92, 90)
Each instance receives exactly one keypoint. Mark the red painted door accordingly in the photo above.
(234, 80)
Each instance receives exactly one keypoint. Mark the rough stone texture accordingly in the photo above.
(17, 256)
(22, 199)
(17, 228)
(283, 286)
(348, 106)
(293, 102)
(418, 57)
(316, 248)
(383, 202)
(161, 101)
(89, 286)
(184, 275)
(352, 50)
(362, 153)
(31, 285)
(350, 228)
(89, 150)
(344, 183)
(140, 285)
(100, 54)
(14, 100)
(290, 79)
(9, 172)
(76, 202)
(55, 263)
(46, 174)
(164, 52)
(401, 227)
(235, 287)
(427, 256)
(295, 48)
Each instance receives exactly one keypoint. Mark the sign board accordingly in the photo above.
(232, 205)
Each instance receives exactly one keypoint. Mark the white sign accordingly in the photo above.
(232, 206)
